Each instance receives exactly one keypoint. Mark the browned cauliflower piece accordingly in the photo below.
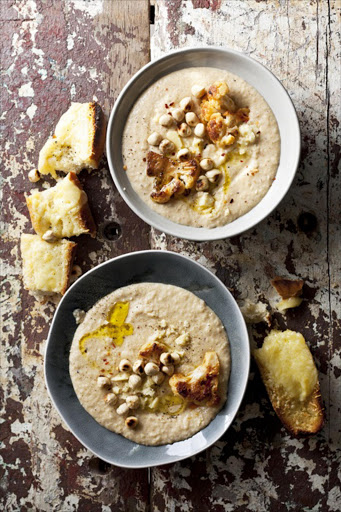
(201, 385)
(216, 101)
(172, 178)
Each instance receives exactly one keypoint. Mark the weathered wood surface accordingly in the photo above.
(58, 51)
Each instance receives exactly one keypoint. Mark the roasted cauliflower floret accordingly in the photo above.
(216, 127)
(216, 101)
(152, 350)
(201, 385)
(172, 178)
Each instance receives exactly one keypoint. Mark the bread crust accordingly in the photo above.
(85, 216)
(99, 132)
(71, 252)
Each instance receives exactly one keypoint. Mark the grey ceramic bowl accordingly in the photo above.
(147, 266)
(252, 72)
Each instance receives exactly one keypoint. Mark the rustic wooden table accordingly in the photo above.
(57, 51)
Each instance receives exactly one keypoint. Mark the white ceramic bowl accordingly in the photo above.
(252, 72)
(146, 266)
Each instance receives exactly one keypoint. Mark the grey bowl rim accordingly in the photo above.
(243, 387)
(158, 225)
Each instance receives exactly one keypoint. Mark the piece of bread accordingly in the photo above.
(77, 143)
(62, 209)
(46, 266)
(291, 380)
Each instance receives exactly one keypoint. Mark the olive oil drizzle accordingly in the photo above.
(116, 329)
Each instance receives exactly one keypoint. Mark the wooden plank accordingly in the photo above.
(257, 465)
(54, 53)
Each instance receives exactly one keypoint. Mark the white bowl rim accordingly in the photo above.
(194, 232)
(242, 387)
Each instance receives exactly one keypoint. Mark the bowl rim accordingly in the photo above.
(242, 387)
(157, 222)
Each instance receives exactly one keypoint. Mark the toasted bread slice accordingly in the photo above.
(291, 380)
(46, 266)
(77, 143)
(63, 209)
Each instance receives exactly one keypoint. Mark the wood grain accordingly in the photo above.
(257, 465)
(54, 53)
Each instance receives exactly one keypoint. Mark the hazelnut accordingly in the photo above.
(122, 409)
(154, 139)
(168, 369)
(151, 369)
(133, 402)
(165, 120)
(48, 236)
(166, 146)
(34, 175)
(175, 357)
(186, 104)
(198, 91)
(192, 119)
(206, 164)
(158, 378)
(183, 154)
(131, 422)
(103, 382)
(202, 183)
(166, 358)
(138, 367)
(184, 130)
(199, 130)
(134, 381)
(110, 399)
(178, 114)
(213, 175)
(125, 366)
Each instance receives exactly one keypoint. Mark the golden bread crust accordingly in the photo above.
(99, 132)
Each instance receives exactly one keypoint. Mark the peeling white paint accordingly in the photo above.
(26, 90)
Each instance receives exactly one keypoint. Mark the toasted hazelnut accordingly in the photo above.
(166, 358)
(166, 120)
(213, 175)
(158, 378)
(199, 130)
(122, 409)
(175, 357)
(202, 183)
(184, 130)
(131, 422)
(198, 91)
(186, 104)
(183, 154)
(125, 365)
(48, 236)
(116, 390)
(34, 175)
(166, 146)
(134, 381)
(138, 367)
(133, 402)
(206, 164)
(154, 139)
(178, 114)
(168, 369)
(191, 119)
(110, 399)
(151, 369)
(103, 382)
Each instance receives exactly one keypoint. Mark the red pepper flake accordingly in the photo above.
(145, 160)
(173, 154)
(273, 179)
(169, 113)
(166, 105)
(223, 154)
(231, 200)
(171, 104)
(258, 132)
(242, 160)
(107, 362)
